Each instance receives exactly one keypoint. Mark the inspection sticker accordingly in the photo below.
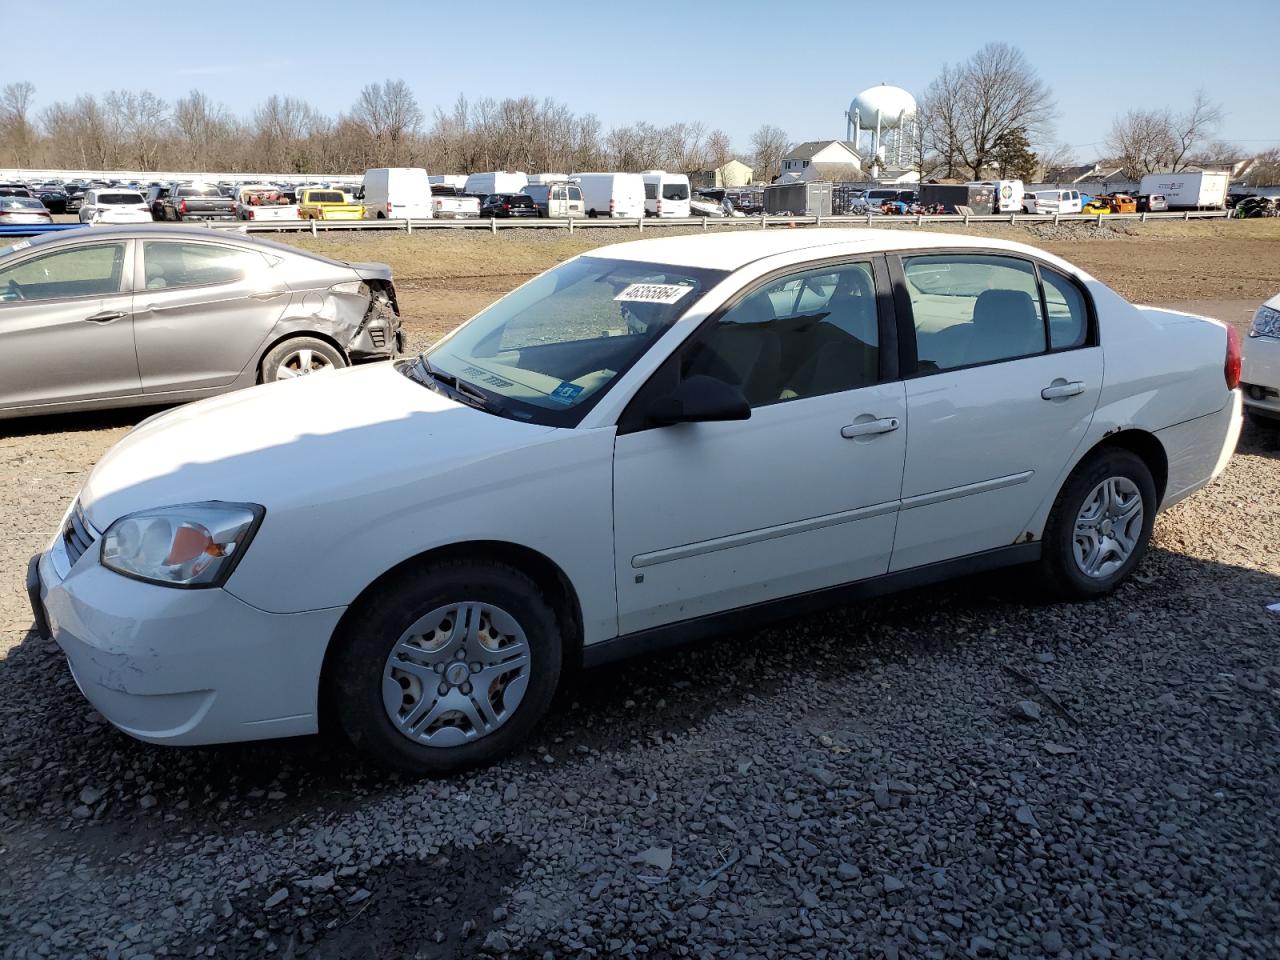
(566, 393)
(653, 293)
(20, 245)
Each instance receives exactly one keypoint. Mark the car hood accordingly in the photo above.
(307, 442)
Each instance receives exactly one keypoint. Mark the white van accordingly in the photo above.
(457, 180)
(498, 181)
(665, 194)
(1054, 201)
(611, 194)
(1009, 194)
(396, 193)
(542, 179)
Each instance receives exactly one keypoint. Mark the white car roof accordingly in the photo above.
(735, 250)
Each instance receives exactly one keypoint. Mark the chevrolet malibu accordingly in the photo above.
(656, 441)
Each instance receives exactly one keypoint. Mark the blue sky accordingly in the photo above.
(746, 64)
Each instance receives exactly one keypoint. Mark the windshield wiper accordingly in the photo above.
(456, 389)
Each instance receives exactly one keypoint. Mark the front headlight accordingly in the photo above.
(192, 545)
(1266, 323)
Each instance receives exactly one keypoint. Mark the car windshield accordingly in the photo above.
(549, 350)
(324, 196)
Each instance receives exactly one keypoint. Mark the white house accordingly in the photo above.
(836, 156)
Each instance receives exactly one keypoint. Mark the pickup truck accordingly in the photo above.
(327, 205)
(451, 203)
(187, 202)
(261, 201)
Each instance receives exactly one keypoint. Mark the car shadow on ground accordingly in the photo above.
(67, 775)
(79, 421)
(1260, 440)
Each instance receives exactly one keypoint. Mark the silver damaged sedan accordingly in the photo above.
(154, 315)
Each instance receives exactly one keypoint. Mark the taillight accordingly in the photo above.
(388, 206)
(611, 206)
(1231, 369)
(659, 208)
(249, 215)
(182, 206)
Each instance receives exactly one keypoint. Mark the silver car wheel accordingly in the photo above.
(456, 675)
(302, 362)
(1108, 527)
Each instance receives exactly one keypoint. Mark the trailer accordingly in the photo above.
(812, 199)
(978, 197)
(1201, 190)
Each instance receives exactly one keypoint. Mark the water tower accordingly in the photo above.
(888, 116)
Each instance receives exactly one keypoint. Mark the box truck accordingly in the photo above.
(611, 194)
(1202, 190)
(978, 197)
(497, 181)
(396, 193)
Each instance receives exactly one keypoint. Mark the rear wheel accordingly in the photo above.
(1100, 526)
(300, 357)
(447, 666)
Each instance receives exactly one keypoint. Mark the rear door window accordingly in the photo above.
(168, 264)
(675, 191)
(1068, 318)
(92, 270)
(971, 309)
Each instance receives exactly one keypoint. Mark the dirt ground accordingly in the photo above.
(1221, 268)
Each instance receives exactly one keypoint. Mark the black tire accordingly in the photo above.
(1059, 576)
(355, 672)
(268, 371)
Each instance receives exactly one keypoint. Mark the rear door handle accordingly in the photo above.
(865, 428)
(1061, 388)
(106, 316)
(266, 294)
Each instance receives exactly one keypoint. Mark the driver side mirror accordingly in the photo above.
(700, 399)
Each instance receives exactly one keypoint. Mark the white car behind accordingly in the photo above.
(656, 441)
(111, 205)
(1261, 374)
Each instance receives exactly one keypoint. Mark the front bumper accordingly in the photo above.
(180, 666)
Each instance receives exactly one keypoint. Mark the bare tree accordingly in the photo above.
(1265, 171)
(1151, 141)
(389, 114)
(139, 121)
(770, 144)
(17, 132)
(971, 107)
(719, 148)
(1054, 157)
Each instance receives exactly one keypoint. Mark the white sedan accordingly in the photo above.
(648, 443)
(1262, 366)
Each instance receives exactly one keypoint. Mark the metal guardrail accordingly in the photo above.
(643, 224)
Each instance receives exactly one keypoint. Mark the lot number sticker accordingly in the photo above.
(653, 293)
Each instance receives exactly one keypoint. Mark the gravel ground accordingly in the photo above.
(948, 773)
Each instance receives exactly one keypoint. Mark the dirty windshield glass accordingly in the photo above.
(550, 349)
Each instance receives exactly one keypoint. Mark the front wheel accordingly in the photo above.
(447, 666)
(1100, 526)
(300, 357)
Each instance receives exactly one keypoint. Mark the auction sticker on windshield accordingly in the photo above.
(653, 293)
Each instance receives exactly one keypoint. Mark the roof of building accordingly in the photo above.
(808, 149)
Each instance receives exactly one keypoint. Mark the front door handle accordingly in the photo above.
(1061, 388)
(106, 316)
(870, 427)
(266, 294)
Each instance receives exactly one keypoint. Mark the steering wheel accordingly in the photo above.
(14, 291)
